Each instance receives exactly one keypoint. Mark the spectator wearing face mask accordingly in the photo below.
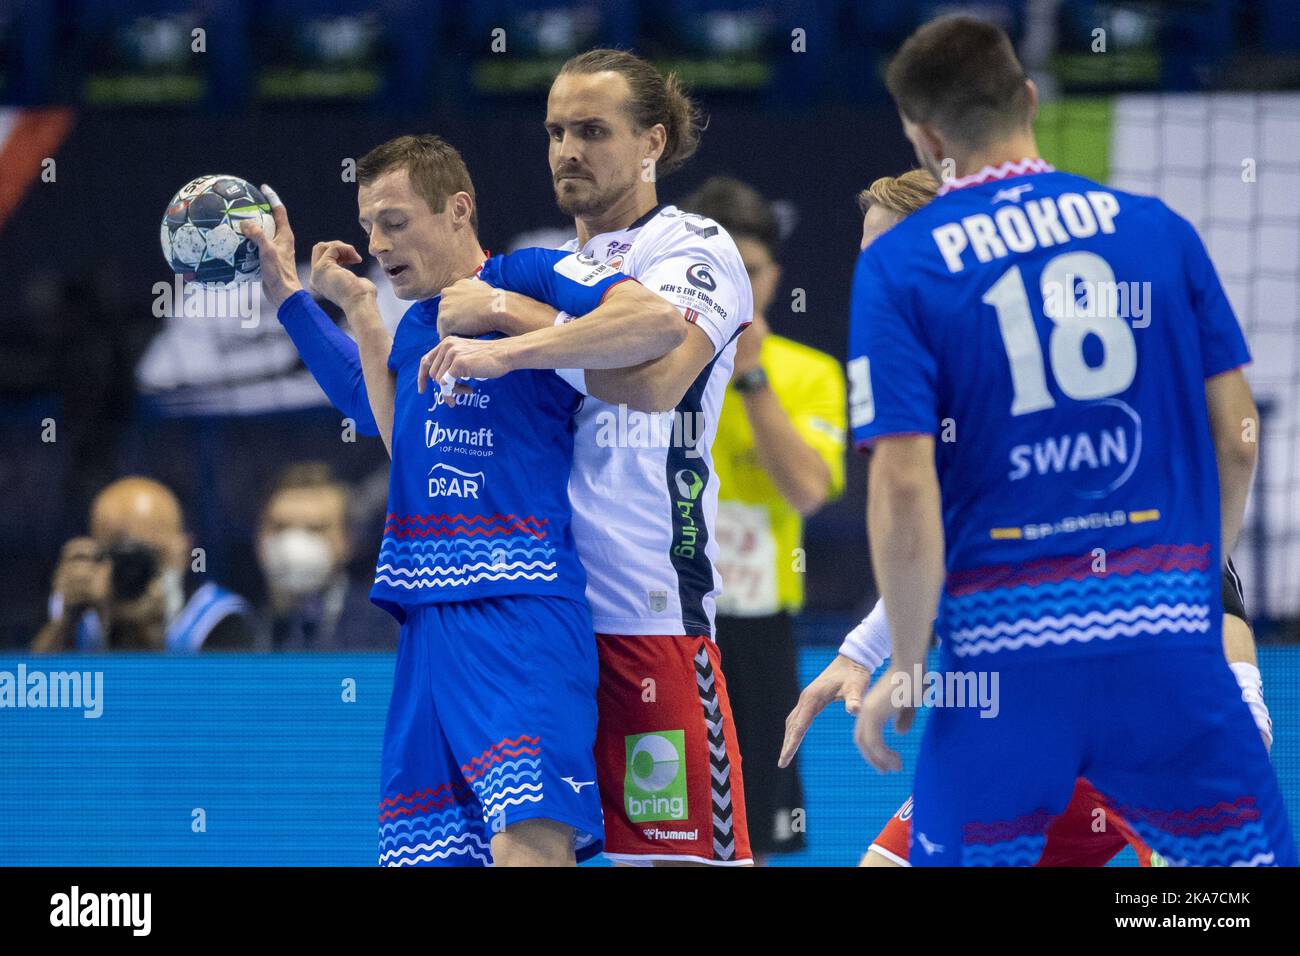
(128, 585)
(303, 547)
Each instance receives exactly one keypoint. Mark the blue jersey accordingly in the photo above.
(478, 501)
(1054, 336)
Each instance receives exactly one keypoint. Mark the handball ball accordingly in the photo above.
(201, 237)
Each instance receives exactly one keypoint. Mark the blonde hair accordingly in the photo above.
(903, 194)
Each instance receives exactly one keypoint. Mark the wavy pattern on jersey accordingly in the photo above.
(1199, 820)
(421, 552)
(406, 800)
(1245, 845)
(467, 579)
(440, 525)
(441, 852)
(1000, 831)
(460, 569)
(1228, 833)
(455, 836)
(453, 825)
(1018, 851)
(1159, 557)
(1164, 589)
(1100, 592)
(1015, 842)
(499, 751)
(1109, 622)
(507, 774)
(425, 824)
(427, 550)
(1197, 623)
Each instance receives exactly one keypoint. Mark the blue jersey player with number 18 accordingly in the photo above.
(488, 748)
(1072, 349)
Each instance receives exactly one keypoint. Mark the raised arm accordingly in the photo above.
(331, 357)
(358, 299)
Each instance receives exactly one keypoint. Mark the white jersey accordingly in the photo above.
(645, 500)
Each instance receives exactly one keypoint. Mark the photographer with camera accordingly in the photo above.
(126, 586)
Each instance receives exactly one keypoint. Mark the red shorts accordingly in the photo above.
(667, 761)
(1072, 838)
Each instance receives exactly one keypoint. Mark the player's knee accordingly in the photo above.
(536, 842)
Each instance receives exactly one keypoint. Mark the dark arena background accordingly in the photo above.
(270, 757)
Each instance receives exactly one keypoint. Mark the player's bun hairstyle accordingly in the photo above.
(436, 169)
(738, 208)
(901, 195)
(961, 74)
(655, 98)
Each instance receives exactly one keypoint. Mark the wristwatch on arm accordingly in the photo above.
(751, 381)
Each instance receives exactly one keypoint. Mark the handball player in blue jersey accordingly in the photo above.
(488, 747)
(1048, 374)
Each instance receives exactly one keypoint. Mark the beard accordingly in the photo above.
(584, 199)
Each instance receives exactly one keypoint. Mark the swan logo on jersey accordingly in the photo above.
(1099, 458)
(699, 276)
(448, 482)
(654, 786)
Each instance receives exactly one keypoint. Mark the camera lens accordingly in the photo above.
(135, 564)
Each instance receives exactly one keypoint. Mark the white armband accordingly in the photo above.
(870, 643)
(1252, 692)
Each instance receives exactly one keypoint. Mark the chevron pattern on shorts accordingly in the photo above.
(724, 834)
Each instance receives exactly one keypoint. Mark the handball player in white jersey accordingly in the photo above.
(643, 492)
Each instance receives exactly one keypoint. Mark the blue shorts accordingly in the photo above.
(492, 721)
(1163, 736)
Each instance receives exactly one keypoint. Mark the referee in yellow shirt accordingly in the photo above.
(778, 457)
